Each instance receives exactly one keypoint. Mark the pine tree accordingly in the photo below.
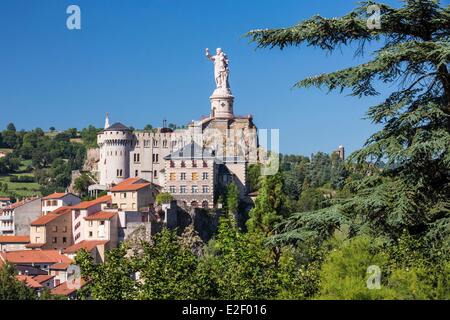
(413, 189)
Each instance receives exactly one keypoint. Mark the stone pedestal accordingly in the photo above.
(222, 104)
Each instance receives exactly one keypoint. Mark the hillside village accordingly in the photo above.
(190, 168)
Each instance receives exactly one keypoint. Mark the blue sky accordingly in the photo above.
(143, 61)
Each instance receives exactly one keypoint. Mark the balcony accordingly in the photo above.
(7, 228)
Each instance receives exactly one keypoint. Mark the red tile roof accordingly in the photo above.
(56, 195)
(60, 266)
(29, 281)
(64, 290)
(42, 278)
(87, 245)
(88, 204)
(43, 220)
(131, 184)
(101, 215)
(14, 239)
(34, 256)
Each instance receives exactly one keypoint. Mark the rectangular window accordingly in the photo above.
(205, 189)
(194, 189)
(164, 143)
(136, 173)
(124, 195)
(172, 189)
(183, 176)
(155, 174)
(64, 229)
(183, 189)
(90, 234)
(205, 176)
(194, 176)
(54, 229)
(91, 223)
(155, 143)
(172, 176)
(54, 240)
(64, 240)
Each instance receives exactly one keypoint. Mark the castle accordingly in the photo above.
(222, 143)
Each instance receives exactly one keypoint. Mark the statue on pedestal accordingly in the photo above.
(221, 70)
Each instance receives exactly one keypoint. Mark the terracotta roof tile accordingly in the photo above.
(60, 266)
(43, 220)
(29, 281)
(131, 184)
(56, 195)
(64, 290)
(101, 215)
(34, 256)
(14, 239)
(87, 245)
(43, 278)
(88, 204)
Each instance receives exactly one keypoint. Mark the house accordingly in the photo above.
(13, 243)
(134, 194)
(4, 202)
(191, 175)
(38, 283)
(59, 271)
(56, 200)
(41, 259)
(16, 218)
(84, 209)
(46, 281)
(52, 231)
(31, 283)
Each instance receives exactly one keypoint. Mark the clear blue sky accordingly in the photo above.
(143, 61)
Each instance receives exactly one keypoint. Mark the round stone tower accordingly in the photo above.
(115, 143)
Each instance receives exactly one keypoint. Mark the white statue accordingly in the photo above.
(221, 71)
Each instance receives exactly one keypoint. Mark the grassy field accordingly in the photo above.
(21, 189)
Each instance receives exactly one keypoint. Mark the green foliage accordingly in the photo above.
(269, 205)
(240, 265)
(232, 199)
(81, 184)
(254, 174)
(411, 191)
(164, 197)
(89, 136)
(345, 274)
(111, 280)
(169, 270)
(11, 288)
